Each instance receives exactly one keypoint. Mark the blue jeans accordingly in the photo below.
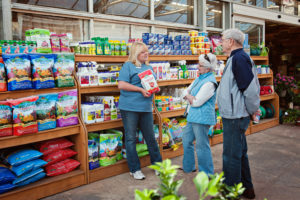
(199, 132)
(235, 159)
(144, 121)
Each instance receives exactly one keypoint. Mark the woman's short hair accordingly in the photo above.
(209, 61)
(135, 50)
(235, 34)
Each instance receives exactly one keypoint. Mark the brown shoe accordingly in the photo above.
(249, 193)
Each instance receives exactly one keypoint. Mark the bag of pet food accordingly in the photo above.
(5, 119)
(64, 43)
(108, 149)
(3, 86)
(28, 167)
(26, 176)
(32, 179)
(66, 108)
(63, 70)
(24, 115)
(42, 65)
(55, 45)
(119, 136)
(62, 167)
(21, 156)
(6, 187)
(50, 146)
(18, 71)
(148, 81)
(93, 155)
(6, 176)
(176, 132)
(45, 111)
(58, 156)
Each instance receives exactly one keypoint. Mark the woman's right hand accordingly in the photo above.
(145, 93)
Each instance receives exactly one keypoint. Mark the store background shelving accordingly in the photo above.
(121, 166)
(78, 133)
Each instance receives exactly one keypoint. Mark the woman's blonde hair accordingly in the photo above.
(135, 50)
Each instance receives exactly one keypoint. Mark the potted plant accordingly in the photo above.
(284, 85)
(291, 116)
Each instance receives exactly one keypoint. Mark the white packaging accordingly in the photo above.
(94, 79)
(99, 111)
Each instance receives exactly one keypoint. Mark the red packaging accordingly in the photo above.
(58, 156)
(5, 119)
(24, 115)
(53, 145)
(62, 167)
(148, 81)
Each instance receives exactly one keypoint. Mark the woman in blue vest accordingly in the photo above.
(201, 115)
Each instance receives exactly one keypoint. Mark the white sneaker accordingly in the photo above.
(138, 175)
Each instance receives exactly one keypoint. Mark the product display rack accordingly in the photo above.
(121, 166)
(49, 185)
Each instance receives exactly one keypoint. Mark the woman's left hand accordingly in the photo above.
(190, 98)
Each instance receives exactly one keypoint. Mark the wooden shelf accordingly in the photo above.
(267, 97)
(47, 186)
(254, 58)
(12, 141)
(25, 93)
(172, 113)
(265, 75)
(264, 124)
(170, 153)
(175, 82)
(100, 88)
(104, 125)
(216, 139)
(115, 169)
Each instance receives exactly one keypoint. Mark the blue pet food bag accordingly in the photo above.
(6, 176)
(27, 176)
(6, 187)
(18, 71)
(45, 111)
(42, 70)
(28, 166)
(32, 179)
(22, 156)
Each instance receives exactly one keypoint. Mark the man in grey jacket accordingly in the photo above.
(238, 101)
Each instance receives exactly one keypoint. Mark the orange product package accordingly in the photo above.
(3, 86)
(24, 115)
(5, 119)
(148, 81)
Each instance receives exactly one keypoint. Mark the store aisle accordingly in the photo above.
(274, 156)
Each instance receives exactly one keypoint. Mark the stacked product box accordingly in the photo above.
(159, 44)
(199, 42)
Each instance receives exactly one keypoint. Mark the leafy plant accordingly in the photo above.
(215, 187)
(282, 82)
(212, 186)
(291, 115)
(167, 186)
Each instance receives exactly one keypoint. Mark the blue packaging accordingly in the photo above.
(6, 187)
(32, 179)
(150, 49)
(93, 155)
(168, 50)
(178, 37)
(6, 176)
(46, 111)
(22, 156)
(146, 41)
(27, 176)
(160, 39)
(28, 167)
(42, 70)
(155, 50)
(177, 47)
(177, 52)
(18, 71)
(161, 50)
(189, 52)
(176, 42)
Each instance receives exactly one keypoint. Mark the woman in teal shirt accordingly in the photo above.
(136, 108)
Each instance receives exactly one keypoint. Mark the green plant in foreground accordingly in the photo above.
(212, 186)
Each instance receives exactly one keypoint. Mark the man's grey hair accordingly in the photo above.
(235, 34)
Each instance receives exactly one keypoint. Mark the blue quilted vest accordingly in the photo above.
(205, 114)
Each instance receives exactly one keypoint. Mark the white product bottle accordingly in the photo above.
(84, 75)
(93, 74)
(113, 110)
(99, 111)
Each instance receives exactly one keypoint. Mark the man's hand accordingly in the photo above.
(254, 116)
(145, 93)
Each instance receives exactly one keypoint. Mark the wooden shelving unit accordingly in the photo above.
(49, 185)
(121, 166)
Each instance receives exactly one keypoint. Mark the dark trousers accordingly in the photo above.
(235, 159)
